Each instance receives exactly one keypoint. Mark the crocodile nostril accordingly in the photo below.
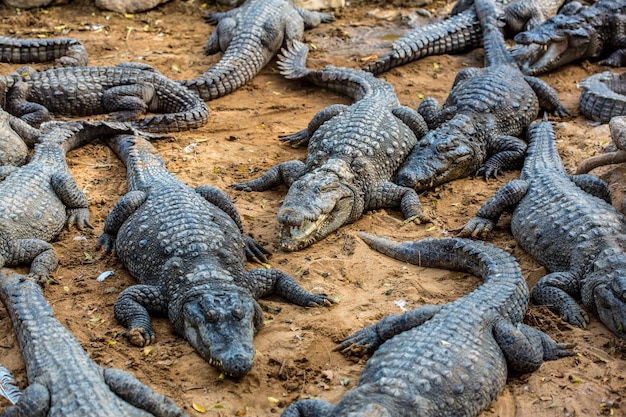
(290, 217)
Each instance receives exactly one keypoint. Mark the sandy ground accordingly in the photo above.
(295, 357)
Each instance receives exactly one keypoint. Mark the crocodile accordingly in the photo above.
(124, 91)
(63, 380)
(476, 129)
(186, 248)
(461, 32)
(38, 199)
(566, 222)
(578, 32)
(16, 136)
(449, 359)
(353, 152)
(603, 96)
(250, 36)
(66, 52)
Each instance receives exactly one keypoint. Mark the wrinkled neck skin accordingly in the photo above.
(219, 319)
(319, 203)
(377, 400)
(446, 153)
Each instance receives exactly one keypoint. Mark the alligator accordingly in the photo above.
(353, 152)
(461, 32)
(448, 359)
(566, 222)
(576, 33)
(67, 52)
(38, 199)
(16, 136)
(64, 381)
(186, 248)
(603, 96)
(250, 36)
(124, 92)
(476, 130)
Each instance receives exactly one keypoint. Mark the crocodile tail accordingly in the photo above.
(493, 39)
(292, 60)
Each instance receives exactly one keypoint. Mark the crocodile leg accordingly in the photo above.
(73, 198)
(217, 197)
(308, 408)
(430, 110)
(29, 134)
(132, 310)
(313, 19)
(136, 393)
(369, 338)
(17, 104)
(618, 56)
(389, 194)
(465, 74)
(548, 99)
(34, 402)
(284, 173)
(221, 36)
(412, 119)
(301, 138)
(523, 346)
(118, 215)
(592, 185)
(262, 282)
(556, 290)
(506, 152)
(487, 217)
(522, 16)
(40, 254)
(6, 170)
(127, 102)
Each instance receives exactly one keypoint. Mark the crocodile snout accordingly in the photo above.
(290, 217)
(237, 365)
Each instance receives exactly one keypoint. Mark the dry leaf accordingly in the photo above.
(198, 408)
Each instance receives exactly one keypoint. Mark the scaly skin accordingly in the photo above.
(476, 130)
(16, 136)
(250, 36)
(461, 32)
(576, 33)
(186, 249)
(124, 92)
(353, 152)
(63, 380)
(67, 52)
(443, 360)
(566, 223)
(40, 198)
(603, 96)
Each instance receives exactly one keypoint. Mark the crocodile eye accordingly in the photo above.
(237, 313)
(446, 146)
(328, 187)
(211, 316)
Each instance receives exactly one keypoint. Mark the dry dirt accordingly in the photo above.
(295, 357)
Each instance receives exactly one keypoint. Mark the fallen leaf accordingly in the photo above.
(147, 349)
(198, 408)
(272, 400)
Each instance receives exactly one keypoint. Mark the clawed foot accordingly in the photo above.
(107, 242)
(575, 315)
(296, 140)
(255, 251)
(139, 336)
(476, 227)
(79, 217)
(319, 300)
(42, 278)
(361, 342)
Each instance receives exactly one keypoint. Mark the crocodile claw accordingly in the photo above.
(255, 251)
(575, 315)
(107, 241)
(139, 336)
(319, 300)
(79, 217)
(476, 227)
(361, 342)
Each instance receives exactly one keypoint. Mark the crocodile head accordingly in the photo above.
(562, 39)
(443, 154)
(317, 204)
(220, 325)
(605, 294)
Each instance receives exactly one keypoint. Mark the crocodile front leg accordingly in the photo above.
(526, 348)
(132, 310)
(557, 291)
(413, 120)
(34, 402)
(369, 338)
(17, 104)
(389, 194)
(430, 110)
(136, 393)
(262, 282)
(120, 212)
(618, 56)
(592, 185)
(301, 138)
(127, 102)
(73, 198)
(507, 152)
(547, 96)
(283, 173)
(313, 19)
(308, 408)
(40, 254)
(489, 213)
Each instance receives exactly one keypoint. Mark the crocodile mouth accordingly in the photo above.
(611, 309)
(542, 57)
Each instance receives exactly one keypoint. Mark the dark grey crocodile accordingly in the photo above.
(603, 96)
(185, 247)
(444, 360)
(576, 33)
(63, 380)
(461, 32)
(476, 129)
(250, 36)
(38, 199)
(16, 136)
(353, 152)
(124, 92)
(67, 52)
(566, 223)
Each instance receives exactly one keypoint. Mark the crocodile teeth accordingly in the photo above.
(306, 228)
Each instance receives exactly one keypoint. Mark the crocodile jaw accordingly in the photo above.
(546, 57)
(611, 308)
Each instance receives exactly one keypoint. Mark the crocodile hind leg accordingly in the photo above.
(283, 173)
(592, 185)
(526, 348)
(308, 408)
(127, 102)
(73, 198)
(556, 290)
(301, 138)
(507, 152)
(138, 394)
(262, 282)
(40, 254)
(430, 109)
(34, 402)
(120, 212)
(221, 36)
(132, 310)
(17, 104)
(548, 99)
